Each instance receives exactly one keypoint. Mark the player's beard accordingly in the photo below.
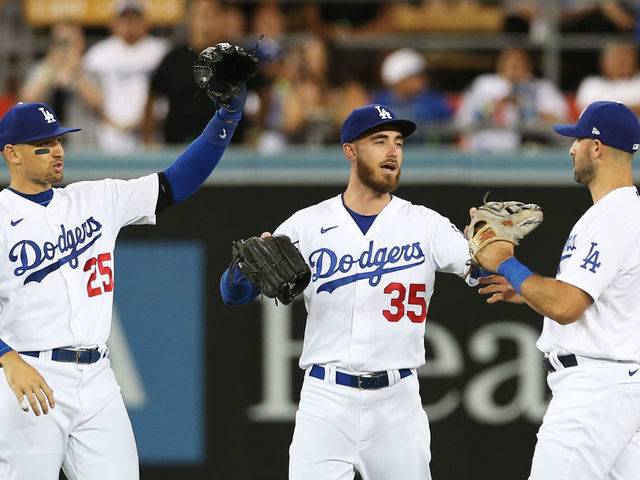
(371, 177)
(53, 178)
(584, 171)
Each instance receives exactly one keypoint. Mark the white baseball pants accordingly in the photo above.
(88, 433)
(591, 430)
(383, 433)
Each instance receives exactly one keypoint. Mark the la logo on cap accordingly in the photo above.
(48, 116)
(383, 113)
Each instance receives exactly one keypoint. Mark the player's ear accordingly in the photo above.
(349, 151)
(10, 154)
(597, 148)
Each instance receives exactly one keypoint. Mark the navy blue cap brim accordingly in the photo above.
(569, 131)
(55, 133)
(406, 128)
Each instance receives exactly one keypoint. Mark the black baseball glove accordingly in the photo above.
(222, 71)
(274, 265)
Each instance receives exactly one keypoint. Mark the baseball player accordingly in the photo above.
(373, 259)
(56, 296)
(591, 333)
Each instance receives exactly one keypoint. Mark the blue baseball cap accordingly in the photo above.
(613, 123)
(28, 122)
(365, 118)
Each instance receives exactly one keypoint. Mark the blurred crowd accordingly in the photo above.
(134, 88)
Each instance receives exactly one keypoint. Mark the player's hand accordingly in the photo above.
(472, 212)
(500, 289)
(491, 256)
(27, 384)
(237, 102)
(265, 235)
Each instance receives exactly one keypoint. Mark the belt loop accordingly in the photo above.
(45, 354)
(555, 362)
(330, 374)
(394, 376)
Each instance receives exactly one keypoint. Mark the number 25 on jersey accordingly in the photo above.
(101, 277)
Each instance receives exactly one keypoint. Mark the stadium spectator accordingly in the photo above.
(269, 20)
(263, 110)
(188, 112)
(123, 64)
(312, 108)
(409, 93)
(620, 79)
(60, 80)
(235, 21)
(297, 102)
(502, 110)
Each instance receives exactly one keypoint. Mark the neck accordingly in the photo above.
(28, 187)
(363, 200)
(608, 181)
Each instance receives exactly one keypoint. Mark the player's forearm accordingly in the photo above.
(189, 171)
(552, 298)
(557, 300)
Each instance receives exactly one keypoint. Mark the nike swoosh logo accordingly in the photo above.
(631, 374)
(15, 222)
(223, 134)
(325, 230)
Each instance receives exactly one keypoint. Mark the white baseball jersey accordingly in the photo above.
(57, 265)
(369, 293)
(602, 257)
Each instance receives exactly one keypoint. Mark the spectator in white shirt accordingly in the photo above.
(620, 80)
(503, 110)
(123, 64)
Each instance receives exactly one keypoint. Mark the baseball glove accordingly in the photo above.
(222, 71)
(274, 265)
(508, 221)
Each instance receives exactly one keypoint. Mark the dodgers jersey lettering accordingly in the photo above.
(56, 284)
(369, 294)
(602, 257)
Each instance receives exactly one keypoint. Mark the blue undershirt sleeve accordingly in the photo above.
(236, 289)
(189, 171)
(4, 348)
(477, 272)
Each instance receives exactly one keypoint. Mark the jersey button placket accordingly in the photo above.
(55, 226)
(359, 314)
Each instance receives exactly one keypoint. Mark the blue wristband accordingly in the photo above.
(514, 272)
(4, 348)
